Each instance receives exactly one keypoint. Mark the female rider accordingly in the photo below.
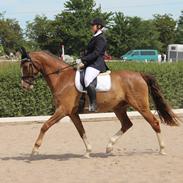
(93, 60)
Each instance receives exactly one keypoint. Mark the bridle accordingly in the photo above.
(29, 79)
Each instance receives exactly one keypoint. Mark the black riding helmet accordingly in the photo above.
(98, 21)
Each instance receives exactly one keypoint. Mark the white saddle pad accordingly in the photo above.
(103, 82)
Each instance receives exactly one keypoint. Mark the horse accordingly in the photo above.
(128, 89)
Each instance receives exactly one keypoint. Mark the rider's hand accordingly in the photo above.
(78, 61)
(81, 65)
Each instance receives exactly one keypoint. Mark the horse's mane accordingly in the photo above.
(56, 58)
(51, 54)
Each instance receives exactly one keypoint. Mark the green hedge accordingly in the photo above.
(16, 102)
(168, 75)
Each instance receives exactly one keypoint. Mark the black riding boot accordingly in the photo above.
(92, 98)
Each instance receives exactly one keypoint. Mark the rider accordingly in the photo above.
(93, 59)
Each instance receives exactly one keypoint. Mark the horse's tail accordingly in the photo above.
(165, 112)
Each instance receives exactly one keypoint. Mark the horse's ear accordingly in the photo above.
(23, 53)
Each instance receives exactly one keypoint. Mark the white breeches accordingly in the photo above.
(90, 74)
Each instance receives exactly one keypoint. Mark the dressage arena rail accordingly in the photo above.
(92, 117)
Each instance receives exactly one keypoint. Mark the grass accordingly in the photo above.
(7, 68)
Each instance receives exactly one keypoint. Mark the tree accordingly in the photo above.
(116, 35)
(128, 33)
(166, 26)
(40, 33)
(11, 36)
(71, 27)
(179, 32)
(73, 24)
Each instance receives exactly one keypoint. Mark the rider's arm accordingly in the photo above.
(98, 50)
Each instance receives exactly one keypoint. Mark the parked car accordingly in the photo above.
(141, 55)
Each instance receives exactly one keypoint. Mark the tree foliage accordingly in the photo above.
(166, 26)
(71, 27)
(179, 32)
(128, 33)
(41, 32)
(10, 34)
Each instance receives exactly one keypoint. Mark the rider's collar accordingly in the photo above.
(97, 33)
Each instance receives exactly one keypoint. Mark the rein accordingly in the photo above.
(59, 70)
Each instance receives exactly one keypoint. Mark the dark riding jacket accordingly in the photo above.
(95, 52)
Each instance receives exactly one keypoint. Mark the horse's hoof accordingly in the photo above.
(34, 152)
(109, 150)
(86, 155)
(162, 153)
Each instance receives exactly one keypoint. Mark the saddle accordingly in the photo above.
(102, 83)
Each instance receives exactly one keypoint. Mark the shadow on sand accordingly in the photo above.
(62, 157)
(68, 156)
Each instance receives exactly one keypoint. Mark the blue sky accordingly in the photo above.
(25, 10)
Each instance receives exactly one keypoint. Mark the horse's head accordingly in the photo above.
(29, 70)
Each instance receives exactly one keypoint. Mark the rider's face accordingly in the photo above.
(94, 28)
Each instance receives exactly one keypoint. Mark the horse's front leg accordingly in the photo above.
(79, 126)
(59, 113)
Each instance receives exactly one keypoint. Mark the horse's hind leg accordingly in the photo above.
(59, 113)
(139, 100)
(125, 123)
(153, 121)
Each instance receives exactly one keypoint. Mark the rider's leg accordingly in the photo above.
(92, 97)
(90, 74)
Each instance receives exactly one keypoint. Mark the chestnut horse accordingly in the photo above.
(128, 89)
